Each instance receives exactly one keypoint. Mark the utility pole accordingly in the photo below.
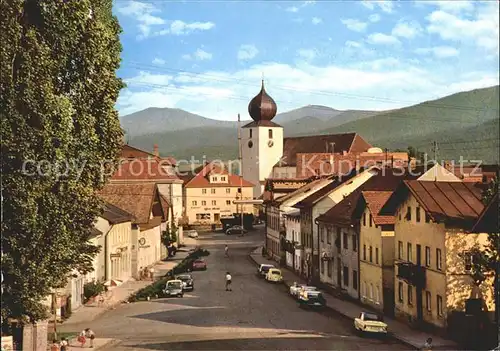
(435, 151)
(240, 156)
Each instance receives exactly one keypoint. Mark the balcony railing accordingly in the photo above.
(412, 274)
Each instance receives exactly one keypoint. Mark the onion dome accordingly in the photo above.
(262, 107)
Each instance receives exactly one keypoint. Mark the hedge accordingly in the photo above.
(156, 289)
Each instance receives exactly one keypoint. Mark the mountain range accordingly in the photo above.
(464, 124)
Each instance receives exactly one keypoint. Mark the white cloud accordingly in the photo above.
(143, 14)
(481, 30)
(178, 27)
(293, 9)
(158, 61)
(354, 24)
(247, 52)
(438, 51)
(307, 54)
(407, 30)
(199, 55)
(449, 6)
(385, 6)
(316, 20)
(353, 44)
(382, 39)
(374, 18)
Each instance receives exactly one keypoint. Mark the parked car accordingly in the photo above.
(296, 289)
(199, 265)
(263, 268)
(191, 233)
(370, 323)
(187, 281)
(311, 299)
(274, 275)
(236, 229)
(173, 288)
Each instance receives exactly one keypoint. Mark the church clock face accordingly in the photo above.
(270, 143)
(250, 144)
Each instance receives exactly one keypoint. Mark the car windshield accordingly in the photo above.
(266, 268)
(314, 295)
(372, 317)
(184, 277)
(198, 261)
(174, 285)
(276, 272)
(309, 288)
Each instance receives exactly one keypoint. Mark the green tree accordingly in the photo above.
(58, 89)
(170, 235)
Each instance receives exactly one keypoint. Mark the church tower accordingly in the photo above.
(261, 141)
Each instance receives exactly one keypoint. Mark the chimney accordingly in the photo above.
(155, 150)
(332, 148)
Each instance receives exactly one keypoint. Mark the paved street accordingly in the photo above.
(254, 316)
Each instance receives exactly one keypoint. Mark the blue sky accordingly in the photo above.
(208, 57)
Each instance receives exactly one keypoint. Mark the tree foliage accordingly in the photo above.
(59, 126)
(169, 236)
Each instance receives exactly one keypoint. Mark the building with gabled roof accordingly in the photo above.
(209, 194)
(433, 244)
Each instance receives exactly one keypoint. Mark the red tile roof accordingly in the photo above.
(115, 215)
(348, 142)
(458, 201)
(344, 213)
(488, 221)
(129, 152)
(262, 123)
(136, 199)
(166, 207)
(375, 200)
(200, 180)
(144, 170)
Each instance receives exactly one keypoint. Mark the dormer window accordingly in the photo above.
(215, 179)
(223, 179)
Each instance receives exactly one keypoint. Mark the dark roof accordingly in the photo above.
(262, 107)
(116, 215)
(343, 213)
(262, 123)
(441, 200)
(282, 186)
(488, 221)
(95, 232)
(348, 142)
(311, 199)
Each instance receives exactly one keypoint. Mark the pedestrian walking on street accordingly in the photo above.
(428, 345)
(228, 281)
(82, 339)
(226, 251)
(152, 273)
(64, 344)
(87, 334)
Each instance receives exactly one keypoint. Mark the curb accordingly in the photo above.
(73, 343)
(394, 336)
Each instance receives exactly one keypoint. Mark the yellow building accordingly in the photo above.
(376, 262)
(209, 195)
(432, 249)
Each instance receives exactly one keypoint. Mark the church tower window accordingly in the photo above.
(250, 133)
(270, 133)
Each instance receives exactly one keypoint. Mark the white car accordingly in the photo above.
(296, 289)
(263, 269)
(370, 323)
(192, 234)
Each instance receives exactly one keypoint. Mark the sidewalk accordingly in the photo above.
(399, 330)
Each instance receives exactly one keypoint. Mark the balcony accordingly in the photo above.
(412, 274)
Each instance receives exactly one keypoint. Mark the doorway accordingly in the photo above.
(217, 218)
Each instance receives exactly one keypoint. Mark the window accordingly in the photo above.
(228, 202)
(439, 305)
(329, 268)
(410, 295)
(203, 191)
(363, 289)
(400, 291)
(427, 256)
(427, 218)
(344, 239)
(377, 294)
(328, 235)
(364, 219)
(467, 261)
(270, 133)
(417, 214)
(371, 220)
(408, 213)
(203, 203)
(355, 279)
(214, 202)
(364, 252)
(323, 267)
(239, 190)
(376, 255)
(346, 276)
(228, 190)
(409, 252)
(322, 234)
(223, 179)
(428, 302)
(354, 243)
(371, 291)
(213, 191)
(400, 250)
(438, 260)
(193, 203)
(201, 216)
(250, 133)
(215, 179)
(371, 254)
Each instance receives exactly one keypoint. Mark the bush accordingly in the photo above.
(93, 289)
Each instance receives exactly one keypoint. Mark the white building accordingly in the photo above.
(292, 227)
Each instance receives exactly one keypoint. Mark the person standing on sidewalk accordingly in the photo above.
(64, 344)
(427, 345)
(89, 334)
(226, 251)
(228, 281)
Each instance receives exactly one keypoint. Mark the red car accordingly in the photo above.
(199, 265)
